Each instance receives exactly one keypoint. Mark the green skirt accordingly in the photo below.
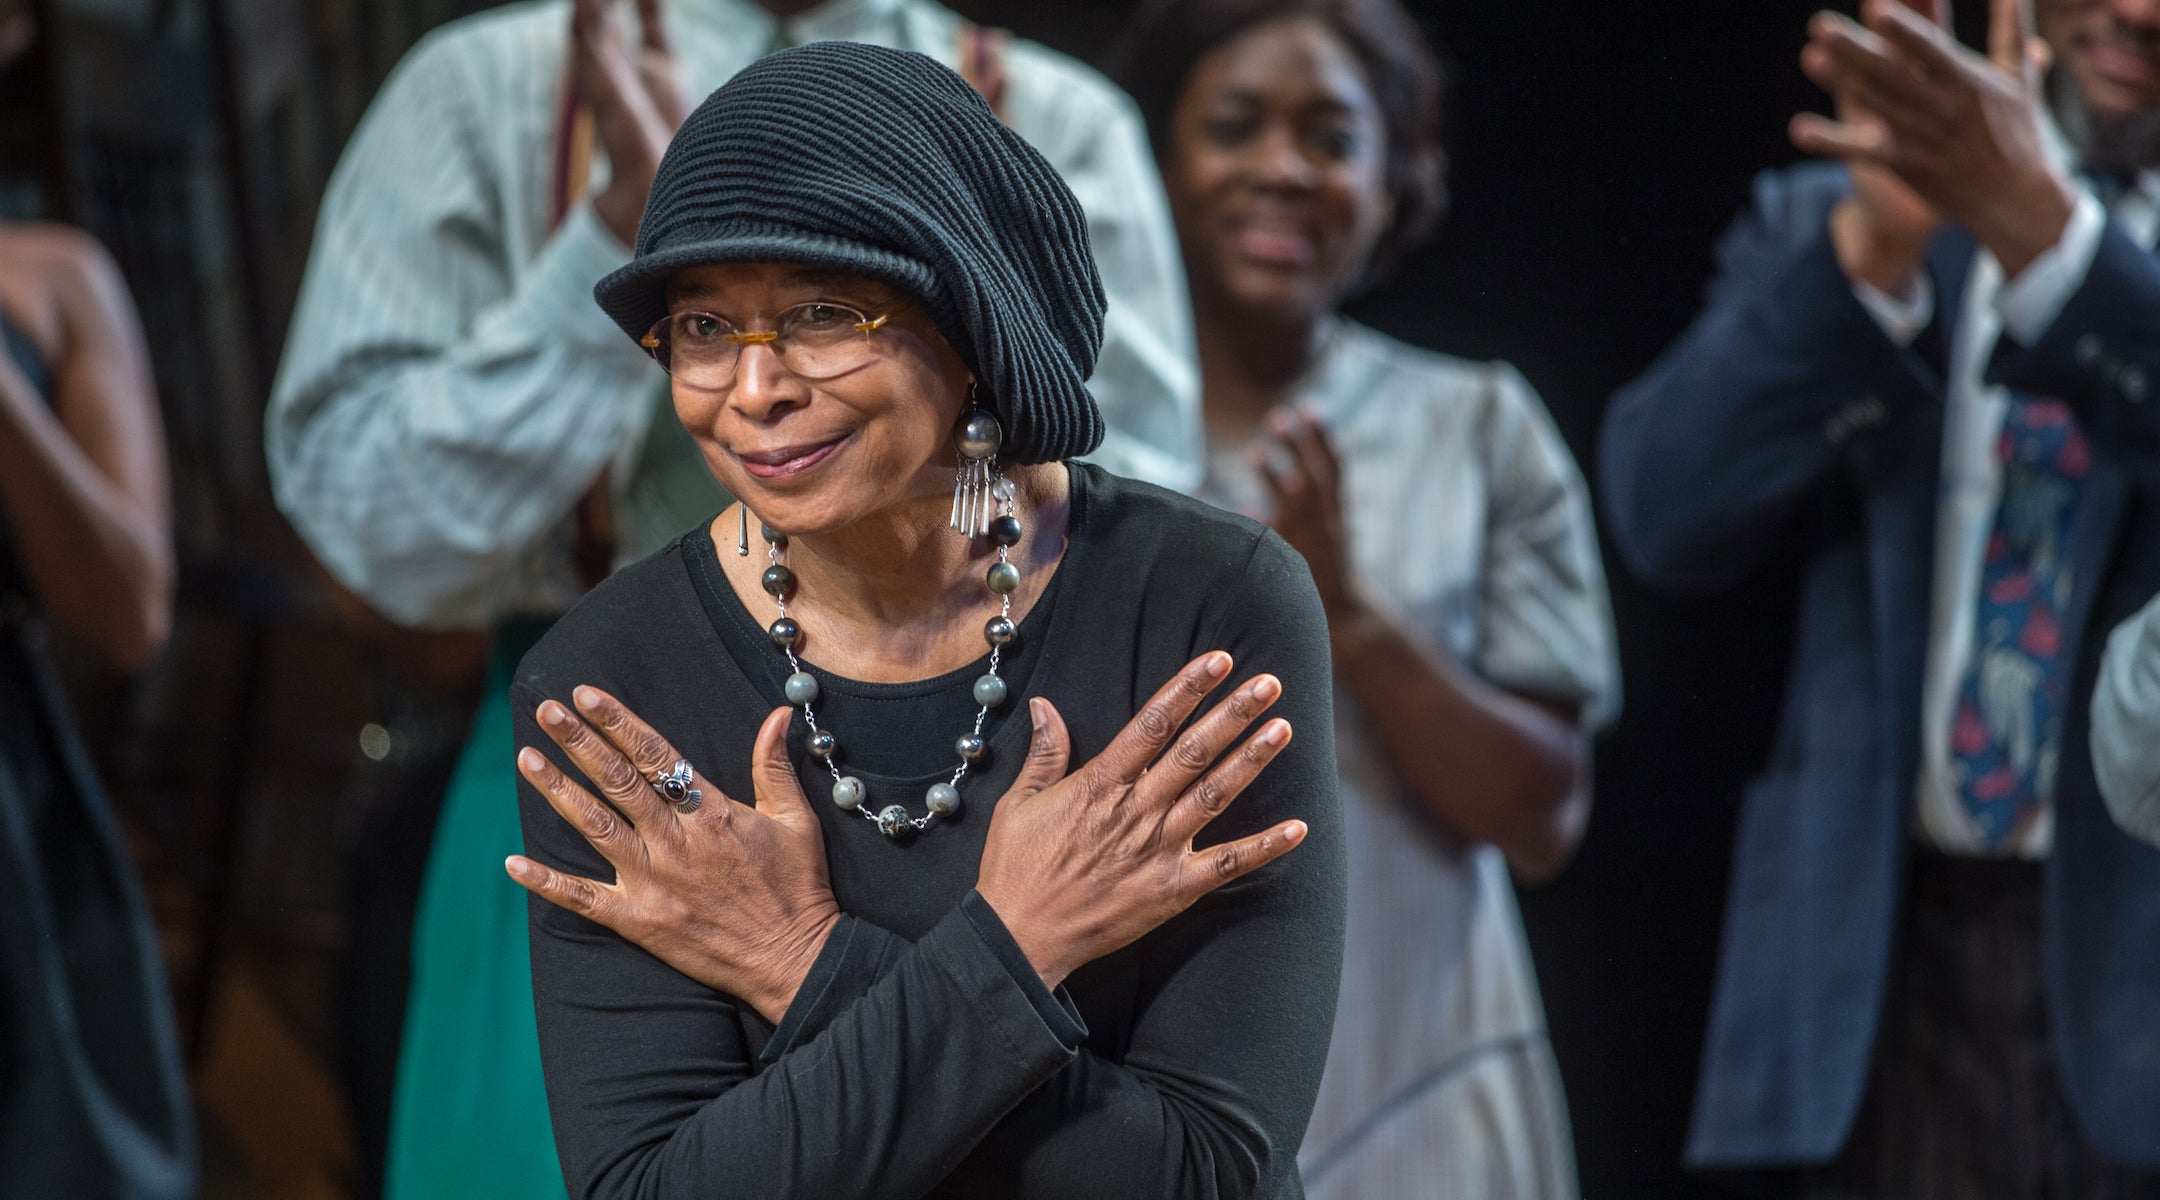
(470, 1117)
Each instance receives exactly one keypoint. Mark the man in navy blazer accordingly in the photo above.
(1932, 373)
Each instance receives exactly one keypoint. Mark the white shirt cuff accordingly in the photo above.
(2031, 302)
(558, 286)
(1901, 318)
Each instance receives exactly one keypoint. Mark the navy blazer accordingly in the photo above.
(1784, 423)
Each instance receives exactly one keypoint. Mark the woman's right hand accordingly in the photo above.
(1079, 865)
(734, 896)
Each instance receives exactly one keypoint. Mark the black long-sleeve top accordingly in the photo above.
(922, 1055)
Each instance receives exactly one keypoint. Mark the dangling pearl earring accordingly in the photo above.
(978, 487)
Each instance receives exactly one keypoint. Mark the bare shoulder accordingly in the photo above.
(67, 265)
(54, 247)
(83, 282)
(65, 286)
(44, 267)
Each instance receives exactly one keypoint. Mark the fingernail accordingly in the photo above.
(1035, 712)
(1266, 688)
(517, 866)
(529, 759)
(1275, 734)
(1296, 833)
(586, 697)
(1218, 665)
(554, 714)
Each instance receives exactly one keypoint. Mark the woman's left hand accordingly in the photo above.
(735, 897)
(1294, 458)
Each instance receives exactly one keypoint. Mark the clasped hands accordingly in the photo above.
(1933, 132)
(1076, 865)
(635, 91)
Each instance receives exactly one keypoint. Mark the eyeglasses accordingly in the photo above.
(816, 340)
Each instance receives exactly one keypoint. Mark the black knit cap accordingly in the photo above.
(886, 164)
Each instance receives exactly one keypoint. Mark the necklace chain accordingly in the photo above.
(990, 691)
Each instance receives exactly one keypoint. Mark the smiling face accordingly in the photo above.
(816, 455)
(1277, 172)
(2111, 48)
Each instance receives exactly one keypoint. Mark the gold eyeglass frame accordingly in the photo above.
(761, 337)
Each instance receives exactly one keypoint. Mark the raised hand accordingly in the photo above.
(1882, 229)
(1962, 132)
(1079, 865)
(735, 897)
(1297, 462)
(637, 98)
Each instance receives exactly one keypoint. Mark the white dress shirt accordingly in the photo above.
(450, 389)
(1971, 484)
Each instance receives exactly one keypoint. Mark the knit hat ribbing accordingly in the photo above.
(884, 163)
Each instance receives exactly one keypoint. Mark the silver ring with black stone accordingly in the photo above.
(674, 787)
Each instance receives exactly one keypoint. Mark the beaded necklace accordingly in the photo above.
(980, 487)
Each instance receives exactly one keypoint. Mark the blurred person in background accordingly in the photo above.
(1451, 537)
(1928, 373)
(93, 1101)
(2126, 724)
(466, 443)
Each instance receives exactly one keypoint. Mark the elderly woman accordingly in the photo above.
(829, 916)
(1450, 535)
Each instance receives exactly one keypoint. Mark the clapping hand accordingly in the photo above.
(1961, 132)
(1297, 463)
(1882, 229)
(637, 98)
